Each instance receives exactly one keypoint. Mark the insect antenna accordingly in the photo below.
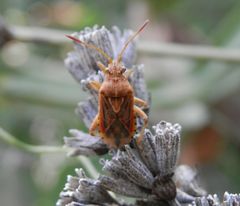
(90, 46)
(119, 58)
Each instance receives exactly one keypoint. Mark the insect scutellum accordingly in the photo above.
(115, 67)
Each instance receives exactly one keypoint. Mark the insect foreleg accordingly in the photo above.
(140, 102)
(95, 85)
(142, 115)
(101, 67)
(94, 125)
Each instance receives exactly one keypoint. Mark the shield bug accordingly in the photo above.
(117, 106)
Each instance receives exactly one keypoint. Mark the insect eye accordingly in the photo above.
(123, 70)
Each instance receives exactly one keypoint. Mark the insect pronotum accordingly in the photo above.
(117, 106)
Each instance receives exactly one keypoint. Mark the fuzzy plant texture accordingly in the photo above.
(147, 172)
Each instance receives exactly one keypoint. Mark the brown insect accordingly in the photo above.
(117, 111)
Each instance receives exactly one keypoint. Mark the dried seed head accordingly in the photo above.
(82, 64)
(164, 188)
(142, 171)
(149, 167)
(213, 200)
(81, 189)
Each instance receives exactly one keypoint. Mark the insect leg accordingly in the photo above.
(140, 102)
(94, 125)
(101, 67)
(142, 115)
(94, 85)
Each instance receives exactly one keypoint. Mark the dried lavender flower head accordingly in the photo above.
(82, 65)
(214, 200)
(147, 168)
(144, 171)
(117, 106)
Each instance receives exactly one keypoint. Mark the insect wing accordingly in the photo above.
(116, 128)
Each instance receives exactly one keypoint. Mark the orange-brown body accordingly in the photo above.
(116, 109)
(115, 120)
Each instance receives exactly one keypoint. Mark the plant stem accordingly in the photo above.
(10, 139)
(39, 35)
(89, 166)
(153, 49)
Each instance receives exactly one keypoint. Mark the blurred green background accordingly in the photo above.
(38, 96)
